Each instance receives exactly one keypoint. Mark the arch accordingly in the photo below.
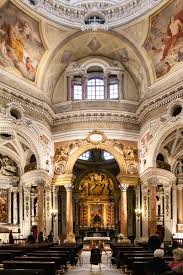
(103, 146)
(161, 135)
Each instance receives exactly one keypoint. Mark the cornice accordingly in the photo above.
(95, 116)
(164, 97)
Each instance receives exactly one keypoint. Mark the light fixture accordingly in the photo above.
(54, 212)
(138, 213)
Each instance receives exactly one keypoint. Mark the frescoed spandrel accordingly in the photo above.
(21, 47)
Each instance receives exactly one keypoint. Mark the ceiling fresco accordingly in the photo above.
(21, 47)
(165, 41)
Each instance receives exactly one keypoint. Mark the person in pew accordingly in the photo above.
(157, 265)
(31, 238)
(154, 242)
(40, 237)
(177, 264)
(50, 237)
(11, 239)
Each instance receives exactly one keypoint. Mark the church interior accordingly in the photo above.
(91, 119)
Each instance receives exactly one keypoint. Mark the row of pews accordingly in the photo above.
(132, 258)
(40, 259)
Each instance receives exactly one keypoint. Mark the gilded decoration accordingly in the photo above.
(96, 199)
(96, 137)
(96, 184)
(21, 48)
(165, 40)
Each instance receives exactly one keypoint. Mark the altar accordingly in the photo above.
(96, 239)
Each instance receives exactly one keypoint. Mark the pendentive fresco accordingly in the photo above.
(20, 43)
(165, 40)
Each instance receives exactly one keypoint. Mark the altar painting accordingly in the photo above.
(165, 41)
(3, 205)
(21, 47)
(97, 214)
(96, 184)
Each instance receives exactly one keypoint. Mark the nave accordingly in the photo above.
(85, 267)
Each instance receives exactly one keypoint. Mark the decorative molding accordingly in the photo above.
(96, 137)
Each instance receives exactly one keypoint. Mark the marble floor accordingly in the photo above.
(85, 269)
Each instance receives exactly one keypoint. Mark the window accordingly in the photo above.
(107, 156)
(113, 91)
(77, 93)
(85, 155)
(95, 88)
(94, 19)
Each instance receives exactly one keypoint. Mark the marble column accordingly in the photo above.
(84, 86)
(15, 207)
(120, 86)
(48, 205)
(152, 206)
(9, 206)
(145, 208)
(55, 217)
(21, 217)
(32, 208)
(40, 202)
(27, 212)
(167, 213)
(180, 202)
(174, 209)
(123, 214)
(138, 207)
(69, 208)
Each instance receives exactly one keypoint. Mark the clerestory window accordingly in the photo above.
(95, 88)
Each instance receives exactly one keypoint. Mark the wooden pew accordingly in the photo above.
(50, 267)
(63, 257)
(56, 260)
(23, 272)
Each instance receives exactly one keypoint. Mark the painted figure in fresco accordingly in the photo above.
(7, 166)
(98, 185)
(174, 31)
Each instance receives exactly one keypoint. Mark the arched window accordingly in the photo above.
(85, 155)
(95, 88)
(107, 155)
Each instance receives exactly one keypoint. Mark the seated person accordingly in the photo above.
(177, 265)
(31, 238)
(154, 242)
(157, 264)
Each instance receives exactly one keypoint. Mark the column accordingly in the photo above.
(27, 212)
(120, 86)
(21, 209)
(167, 213)
(180, 202)
(152, 206)
(174, 209)
(123, 214)
(138, 207)
(145, 212)
(32, 208)
(40, 202)
(15, 207)
(69, 210)
(55, 217)
(9, 205)
(48, 204)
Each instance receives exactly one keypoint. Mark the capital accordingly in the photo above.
(69, 187)
(123, 187)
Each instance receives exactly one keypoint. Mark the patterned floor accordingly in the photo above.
(85, 269)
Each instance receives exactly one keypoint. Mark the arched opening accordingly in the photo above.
(96, 196)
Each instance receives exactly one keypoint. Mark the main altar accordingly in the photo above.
(96, 196)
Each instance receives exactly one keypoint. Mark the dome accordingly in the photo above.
(72, 13)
